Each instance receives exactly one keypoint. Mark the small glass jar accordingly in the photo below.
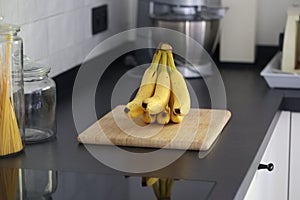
(40, 102)
(11, 90)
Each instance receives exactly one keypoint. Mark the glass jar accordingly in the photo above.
(11, 90)
(37, 184)
(40, 102)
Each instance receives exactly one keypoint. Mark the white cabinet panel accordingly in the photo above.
(238, 34)
(294, 192)
(274, 185)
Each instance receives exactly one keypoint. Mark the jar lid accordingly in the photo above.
(33, 69)
(8, 28)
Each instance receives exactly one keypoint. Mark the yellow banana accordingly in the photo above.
(164, 116)
(148, 118)
(182, 101)
(174, 118)
(134, 107)
(160, 99)
(148, 181)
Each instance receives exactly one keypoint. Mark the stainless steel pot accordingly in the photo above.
(205, 31)
(198, 19)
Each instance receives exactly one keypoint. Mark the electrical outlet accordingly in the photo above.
(99, 19)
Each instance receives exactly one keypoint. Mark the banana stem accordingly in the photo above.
(171, 60)
(164, 46)
(164, 59)
(156, 59)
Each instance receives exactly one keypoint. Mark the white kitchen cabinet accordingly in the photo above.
(294, 192)
(274, 184)
(238, 35)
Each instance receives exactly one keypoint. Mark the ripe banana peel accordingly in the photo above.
(148, 118)
(163, 95)
(182, 103)
(173, 116)
(176, 118)
(134, 108)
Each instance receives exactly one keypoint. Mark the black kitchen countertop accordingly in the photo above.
(225, 172)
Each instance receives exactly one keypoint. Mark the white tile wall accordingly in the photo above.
(58, 32)
(29, 11)
(93, 2)
(89, 44)
(10, 10)
(36, 34)
(61, 6)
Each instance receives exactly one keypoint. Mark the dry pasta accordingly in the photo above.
(10, 138)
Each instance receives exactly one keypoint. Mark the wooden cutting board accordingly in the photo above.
(198, 130)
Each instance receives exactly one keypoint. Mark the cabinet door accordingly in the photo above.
(274, 184)
(294, 192)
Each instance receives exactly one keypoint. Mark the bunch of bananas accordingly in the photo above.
(163, 95)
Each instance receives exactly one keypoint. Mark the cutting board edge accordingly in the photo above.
(145, 146)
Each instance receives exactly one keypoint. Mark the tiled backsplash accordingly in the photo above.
(58, 32)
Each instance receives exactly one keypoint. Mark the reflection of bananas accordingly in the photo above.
(134, 108)
(148, 181)
(163, 188)
(170, 183)
(182, 102)
(163, 95)
(160, 99)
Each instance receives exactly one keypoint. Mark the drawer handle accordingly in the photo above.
(269, 166)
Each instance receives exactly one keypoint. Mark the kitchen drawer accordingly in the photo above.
(294, 192)
(274, 184)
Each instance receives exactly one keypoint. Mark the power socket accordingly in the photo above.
(99, 19)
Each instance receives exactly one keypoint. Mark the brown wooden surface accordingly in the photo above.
(198, 130)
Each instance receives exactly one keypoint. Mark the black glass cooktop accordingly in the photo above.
(38, 184)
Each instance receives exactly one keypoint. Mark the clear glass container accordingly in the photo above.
(37, 184)
(40, 102)
(11, 90)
